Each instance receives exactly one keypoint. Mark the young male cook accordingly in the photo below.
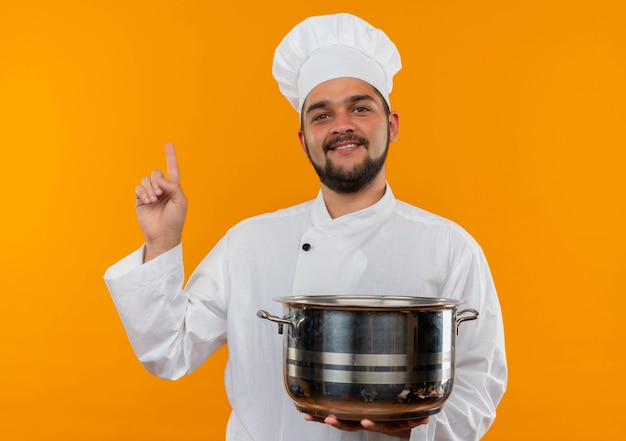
(353, 238)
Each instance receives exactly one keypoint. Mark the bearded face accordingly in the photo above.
(342, 179)
(346, 129)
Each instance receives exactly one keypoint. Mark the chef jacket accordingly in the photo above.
(389, 248)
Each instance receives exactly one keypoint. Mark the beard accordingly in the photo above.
(355, 179)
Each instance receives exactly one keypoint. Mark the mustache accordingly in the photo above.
(332, 143)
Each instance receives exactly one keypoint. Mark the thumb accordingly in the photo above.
(170, 188)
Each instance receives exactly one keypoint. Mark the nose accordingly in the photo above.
(342, 123)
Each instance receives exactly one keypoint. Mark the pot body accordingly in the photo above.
(375, 357)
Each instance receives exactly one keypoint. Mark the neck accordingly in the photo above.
(340, 204)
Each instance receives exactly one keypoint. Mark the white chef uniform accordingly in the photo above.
(389, 248)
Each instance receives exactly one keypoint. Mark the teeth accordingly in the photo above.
(347, 146)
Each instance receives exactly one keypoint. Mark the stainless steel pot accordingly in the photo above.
(375, 357)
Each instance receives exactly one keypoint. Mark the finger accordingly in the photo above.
(141, 196)
(173, 173)
(393, 426)
(309, 417)
(342, 424)
(155, 181)
(333, 421)
(148, 186)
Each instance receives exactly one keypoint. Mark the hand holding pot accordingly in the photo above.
(398, 428)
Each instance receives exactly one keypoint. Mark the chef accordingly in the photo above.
(355, 237)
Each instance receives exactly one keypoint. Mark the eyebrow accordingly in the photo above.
(348, 100)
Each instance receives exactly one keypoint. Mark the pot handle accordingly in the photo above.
(460, 320)
(272, 318)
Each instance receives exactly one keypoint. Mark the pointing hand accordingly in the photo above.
(161, 207)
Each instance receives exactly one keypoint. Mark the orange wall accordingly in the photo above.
(512, 125)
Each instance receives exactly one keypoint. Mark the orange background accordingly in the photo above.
(512, 125)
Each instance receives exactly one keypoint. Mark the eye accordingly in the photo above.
(320, 117)
(360, 109)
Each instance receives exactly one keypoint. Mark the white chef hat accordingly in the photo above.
(325, 47)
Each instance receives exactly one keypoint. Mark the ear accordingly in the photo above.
(302, 141)
(394, 126)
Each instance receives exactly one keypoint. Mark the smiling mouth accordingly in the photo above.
(345, 147)
(347, 143)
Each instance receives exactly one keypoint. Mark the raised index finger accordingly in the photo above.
(173, 174)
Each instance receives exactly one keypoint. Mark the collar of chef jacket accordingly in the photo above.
(352, 222)
(332, 260)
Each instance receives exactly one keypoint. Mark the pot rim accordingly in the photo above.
(369, 302)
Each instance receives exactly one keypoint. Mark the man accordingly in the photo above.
(355, 237)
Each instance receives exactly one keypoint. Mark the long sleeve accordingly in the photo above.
(171, 330)
(481, 370)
